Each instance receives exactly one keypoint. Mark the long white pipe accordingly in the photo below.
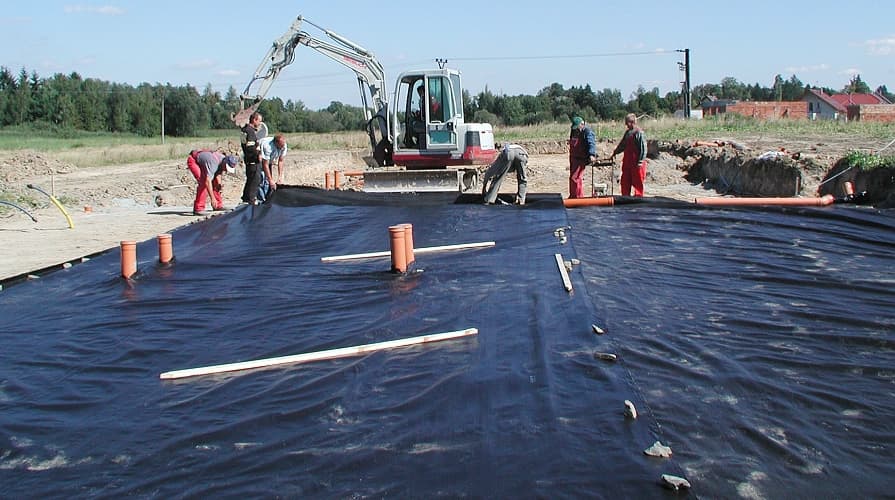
(316, 356)
(416, 251)
(566, 282)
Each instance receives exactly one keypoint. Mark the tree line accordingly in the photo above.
(64, 103)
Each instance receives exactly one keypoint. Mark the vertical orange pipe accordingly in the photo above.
(849, 188)
(408, 243)
(337, 179)
(398, 250)
(128, 258)
(165, 248)
(328, 183)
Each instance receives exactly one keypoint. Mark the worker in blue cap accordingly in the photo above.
(212, 166)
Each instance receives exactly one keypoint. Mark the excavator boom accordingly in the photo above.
(370, 74)
(408, 134)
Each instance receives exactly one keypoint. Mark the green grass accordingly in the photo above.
(867, 161)
(730, 125)
(88, 149)
(91, 149)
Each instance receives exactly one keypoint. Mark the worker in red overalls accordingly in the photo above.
(212, 166)
(192, 165)
(582, 152)
(634, 161)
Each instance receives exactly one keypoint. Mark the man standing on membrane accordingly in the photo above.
(512, 157)
(634, 161)
(251, 150)
(582, 152)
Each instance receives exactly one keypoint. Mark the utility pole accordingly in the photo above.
(163, 116)
(685, 67)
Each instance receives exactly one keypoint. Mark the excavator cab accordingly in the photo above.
(429, 111)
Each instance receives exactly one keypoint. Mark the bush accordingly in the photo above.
(869, 161)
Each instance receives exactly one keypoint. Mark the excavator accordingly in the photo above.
(423, 130)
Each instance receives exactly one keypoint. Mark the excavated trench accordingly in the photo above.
(729, 169)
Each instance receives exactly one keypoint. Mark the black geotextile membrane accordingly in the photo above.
(523, 409)
(763, 340)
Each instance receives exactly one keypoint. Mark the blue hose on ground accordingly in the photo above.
(20, 208)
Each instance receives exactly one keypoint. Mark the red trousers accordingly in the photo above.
(201, 192)
(633, 174)
(193, 167)
(576, 173)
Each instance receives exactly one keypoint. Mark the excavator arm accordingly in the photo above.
(370, 77)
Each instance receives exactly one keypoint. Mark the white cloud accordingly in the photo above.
(850, 72)
(106, 10)
(881, 46)
(197, 64)
(808, 69)
(228, 72)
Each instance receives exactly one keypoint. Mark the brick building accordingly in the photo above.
(814, 105)
(757, 109)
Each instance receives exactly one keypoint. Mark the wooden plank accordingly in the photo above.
(316, 356)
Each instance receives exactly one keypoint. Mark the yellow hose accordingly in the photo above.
(71, 225)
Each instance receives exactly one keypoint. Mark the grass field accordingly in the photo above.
(87, 149)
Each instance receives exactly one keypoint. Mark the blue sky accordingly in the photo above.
(513, 47)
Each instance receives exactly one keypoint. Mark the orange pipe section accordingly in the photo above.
(165, 248)
(337, 179)
(128, 258)
(353, 173)
(749, 202)
(328, 181)
(849, 188)
(602, 201)
(408, 243)
(399, 256)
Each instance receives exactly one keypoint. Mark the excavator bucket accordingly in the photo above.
(242, 118)
(420, 181)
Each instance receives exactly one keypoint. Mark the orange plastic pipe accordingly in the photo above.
(398, 249)
(602, 201)
(849, 188)
(337, 179)
(746, 202)
(328, 181)
(128, 258)
(353, 173)
(408, 243)
(165, 248)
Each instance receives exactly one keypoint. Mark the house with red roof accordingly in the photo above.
(850, 107)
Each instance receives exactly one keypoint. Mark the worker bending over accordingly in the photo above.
(512, 157)
(212, 166)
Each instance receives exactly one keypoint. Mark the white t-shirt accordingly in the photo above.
(270, 151)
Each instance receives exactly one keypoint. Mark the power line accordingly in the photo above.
(564, 56)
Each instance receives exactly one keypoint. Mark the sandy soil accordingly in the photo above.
(139, 201)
